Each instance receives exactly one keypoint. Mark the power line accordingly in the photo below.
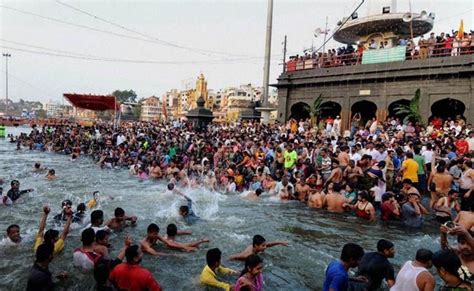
(164, 42)
(96, 58)
(84, 26)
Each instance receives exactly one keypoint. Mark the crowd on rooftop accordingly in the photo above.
(444, 44)
(408, 175)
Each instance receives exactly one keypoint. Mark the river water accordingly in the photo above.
(315, 237)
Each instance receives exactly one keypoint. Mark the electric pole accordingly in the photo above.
(284, 55)
(266, 69)
(6, 55)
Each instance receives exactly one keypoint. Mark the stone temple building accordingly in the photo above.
(373, 80)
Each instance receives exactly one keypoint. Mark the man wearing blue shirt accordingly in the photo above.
(337, 278)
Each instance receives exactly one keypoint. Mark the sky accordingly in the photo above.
(169, 42)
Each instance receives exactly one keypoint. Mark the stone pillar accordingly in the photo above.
(283, 97)
(470, 113)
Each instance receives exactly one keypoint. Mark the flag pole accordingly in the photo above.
(325, 35)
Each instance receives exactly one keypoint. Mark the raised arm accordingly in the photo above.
(42, 224)
(67, 226)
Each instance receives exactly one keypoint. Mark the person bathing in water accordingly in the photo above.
(152, 237)
(186, 211)
(51, 175)
(14, 193)
(171, 233)
(259, 245)
(120, 220)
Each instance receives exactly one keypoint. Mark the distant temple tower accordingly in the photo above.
(200, 91)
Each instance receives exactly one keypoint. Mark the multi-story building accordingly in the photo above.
(151, 109)
(53, 109)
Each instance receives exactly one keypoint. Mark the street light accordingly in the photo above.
(6, 55)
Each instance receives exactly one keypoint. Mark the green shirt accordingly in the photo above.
(290, 159)
(420, 160)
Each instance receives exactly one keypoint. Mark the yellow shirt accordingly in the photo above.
(411, 170)
(92, 203)
(58, 246)
(208, 277)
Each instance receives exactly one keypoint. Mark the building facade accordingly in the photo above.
(151, 109)
(374, 90)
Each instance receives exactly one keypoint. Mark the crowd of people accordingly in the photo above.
(444, 44)
(402, 174)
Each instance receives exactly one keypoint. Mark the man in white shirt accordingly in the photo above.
(470, 140)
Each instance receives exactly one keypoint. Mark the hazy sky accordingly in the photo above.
(223, 39)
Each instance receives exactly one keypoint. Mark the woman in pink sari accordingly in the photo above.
(251, 277)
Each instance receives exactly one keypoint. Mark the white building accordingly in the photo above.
(151, 109)
(53, 109)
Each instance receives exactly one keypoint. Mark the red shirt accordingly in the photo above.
(462, 146)
(133, 278)
(387, 211)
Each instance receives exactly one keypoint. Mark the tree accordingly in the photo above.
(137, 109)
(412, 110)
(317, 109)
(125, 96)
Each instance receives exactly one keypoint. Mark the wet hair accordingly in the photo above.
(468, 163)
(37, 165)
(101, 234)
(44, 253)
(351, 251)
(213, 257)
(119, 212)
(336, 187)
(363, 195)
(424, 256)
(49, 235)
(11, 226)
(170, 186)
(152, 228)
(383, 245)
(440, 168)
(88, 237)
(251, 262)
(258, 192)
(171, 229)
(96, 216)
(258, 240)
(184, 209)
(450, 262)
(52, 172)
(407, 181)
(131, 252)
(81, 207)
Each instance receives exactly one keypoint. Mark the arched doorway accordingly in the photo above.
(367, 110)
(447, 108)
(330, 109)
(300, 111)
(392, 112)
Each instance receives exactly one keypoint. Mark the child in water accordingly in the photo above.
(214, 267)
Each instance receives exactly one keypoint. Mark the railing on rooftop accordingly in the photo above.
(380, 56)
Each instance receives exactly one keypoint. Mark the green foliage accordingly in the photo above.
(125, 96)
(316, 109)
(412, 110)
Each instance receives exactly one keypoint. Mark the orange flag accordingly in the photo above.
(461, 30)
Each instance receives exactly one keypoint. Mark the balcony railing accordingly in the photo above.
(325, 61)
